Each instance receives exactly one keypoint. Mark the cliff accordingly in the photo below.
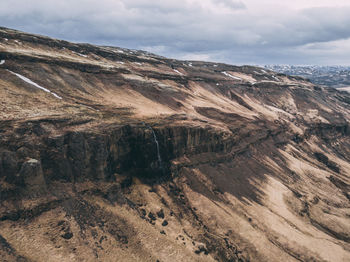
(110, 154)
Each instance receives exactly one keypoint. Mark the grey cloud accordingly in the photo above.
(186, 28)
(231, 4)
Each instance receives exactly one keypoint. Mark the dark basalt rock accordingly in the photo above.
(8, 165)
(152, 216)
(67, 235)
(32, 175)
(160, 213)
(143, 212)
(201, 249)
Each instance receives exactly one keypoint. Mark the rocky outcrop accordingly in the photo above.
(8, 165)
(82, 156)
(33, 176)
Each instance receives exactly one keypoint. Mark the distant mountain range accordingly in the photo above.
(333, 76)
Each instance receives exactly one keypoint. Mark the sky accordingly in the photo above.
(259, 32)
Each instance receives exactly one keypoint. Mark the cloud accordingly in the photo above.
(219, 30)
(231, 4)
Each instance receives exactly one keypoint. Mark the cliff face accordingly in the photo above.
(109, 154)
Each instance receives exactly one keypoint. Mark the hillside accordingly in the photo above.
(110, 154)
(332, 76)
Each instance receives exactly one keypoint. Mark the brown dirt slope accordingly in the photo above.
(110, 154)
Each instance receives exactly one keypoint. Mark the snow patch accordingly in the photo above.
(231, 76)
(276, 78)
(344, 88)
(137, 63)
(5, 39)
(177, 71)
(2, 62)
(27, 80)
(79, 54)
(190, 64)
(119, 62)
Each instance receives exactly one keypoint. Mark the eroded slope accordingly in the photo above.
(109, 154)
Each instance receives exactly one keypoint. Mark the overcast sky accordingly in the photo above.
(232, 31)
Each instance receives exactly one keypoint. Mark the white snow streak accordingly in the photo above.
(276, 78)
(229, 75)
(27, 80)
(177, 71)
(79, 54)
(2, 62)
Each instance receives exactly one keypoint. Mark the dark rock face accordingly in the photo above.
(8, 165)
(80, 156)
(32, 175)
